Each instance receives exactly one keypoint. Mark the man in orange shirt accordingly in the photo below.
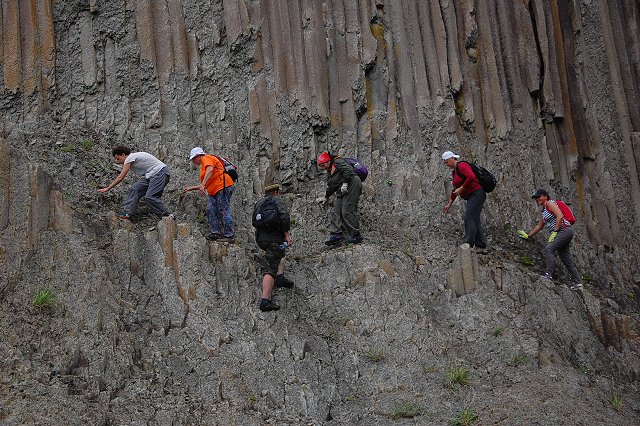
(218, 186)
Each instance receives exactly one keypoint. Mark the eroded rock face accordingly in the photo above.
(154, 324)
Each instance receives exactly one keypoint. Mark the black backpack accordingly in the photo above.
(267, 216)
(229, 168)
(485, 177)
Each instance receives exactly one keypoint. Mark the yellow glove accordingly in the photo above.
(523, 235)
(552, 236)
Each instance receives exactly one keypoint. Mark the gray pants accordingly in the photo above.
(151, 189)
(561, 243)
(472, 227)
(344, 213)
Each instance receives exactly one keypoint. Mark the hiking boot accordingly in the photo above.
(124, 216)
(576, 286)
(282, 281)
(230, 239)
(267, 305)
(333, 239)
(213, 237)
(546, 276)
(354, 239)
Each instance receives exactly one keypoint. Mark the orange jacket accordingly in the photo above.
(219, 179)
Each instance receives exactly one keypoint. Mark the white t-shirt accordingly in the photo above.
(144, 164)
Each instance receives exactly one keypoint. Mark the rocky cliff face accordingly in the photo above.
(152, 324)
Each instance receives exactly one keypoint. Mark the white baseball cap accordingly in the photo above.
(195, 152)
(449, 154)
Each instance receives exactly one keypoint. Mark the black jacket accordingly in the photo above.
(342, 174)
(275, 234)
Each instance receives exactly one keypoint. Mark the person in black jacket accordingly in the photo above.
(347, 186)
(272, 221)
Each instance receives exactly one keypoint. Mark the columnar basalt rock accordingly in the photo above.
(152, 323)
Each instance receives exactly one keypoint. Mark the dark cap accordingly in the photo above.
(539, 192)
(271, 188)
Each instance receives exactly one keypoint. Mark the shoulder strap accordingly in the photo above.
(458, 170)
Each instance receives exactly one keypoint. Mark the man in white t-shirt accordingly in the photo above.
(155, 176)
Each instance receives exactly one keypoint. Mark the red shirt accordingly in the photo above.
(466, 179)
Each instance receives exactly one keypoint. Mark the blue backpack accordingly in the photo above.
(358, 168)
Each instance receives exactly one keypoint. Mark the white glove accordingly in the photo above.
(343, 188)
(321, 200)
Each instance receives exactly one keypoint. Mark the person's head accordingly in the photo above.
(196, 155)
(324, 160)
(120, 153)
(272, 189)
(450, 159)
(541, 196)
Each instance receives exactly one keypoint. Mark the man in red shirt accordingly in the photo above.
(218, 186)
(466, 185)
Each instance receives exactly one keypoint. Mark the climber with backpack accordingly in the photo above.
(344, 178)
(272, 222)
(558, 217)
(467, 185)
(218, 184)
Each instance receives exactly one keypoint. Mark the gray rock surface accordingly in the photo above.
(152, 324)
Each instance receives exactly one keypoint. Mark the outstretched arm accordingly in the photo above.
(116, 181)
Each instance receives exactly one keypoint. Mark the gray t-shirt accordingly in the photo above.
(144, 164)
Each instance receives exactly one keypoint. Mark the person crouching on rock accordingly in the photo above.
(559, 239)
(272, 222)
(467, 186)
(218, 186)
(345, 183)
(155, 177)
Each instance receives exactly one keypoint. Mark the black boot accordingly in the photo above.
(267, 305)
(282, 281)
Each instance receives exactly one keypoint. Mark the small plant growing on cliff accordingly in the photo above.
(498, 331)
(87, 144)
(374, 355)
(457, 373)
(527, 260)
(253, 397)
(616, 401)
(67, 148)
(519, 359)
(465, 418)
(586, 277)
(43, 299)
(406, 410)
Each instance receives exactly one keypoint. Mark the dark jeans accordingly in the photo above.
(561, 243)
(151, 189)
(472, 227)
(344, 213)
(219, 212)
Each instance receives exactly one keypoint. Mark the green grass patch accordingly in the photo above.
(43, 299)
(527, 260)
(374, 355)
(498, 331)
(201, 218)
(519, 359)
(457, 373)
(67, 148)
(406, 410)
(87, 144)
(587, 277)
(616, 401)
(466, 417)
